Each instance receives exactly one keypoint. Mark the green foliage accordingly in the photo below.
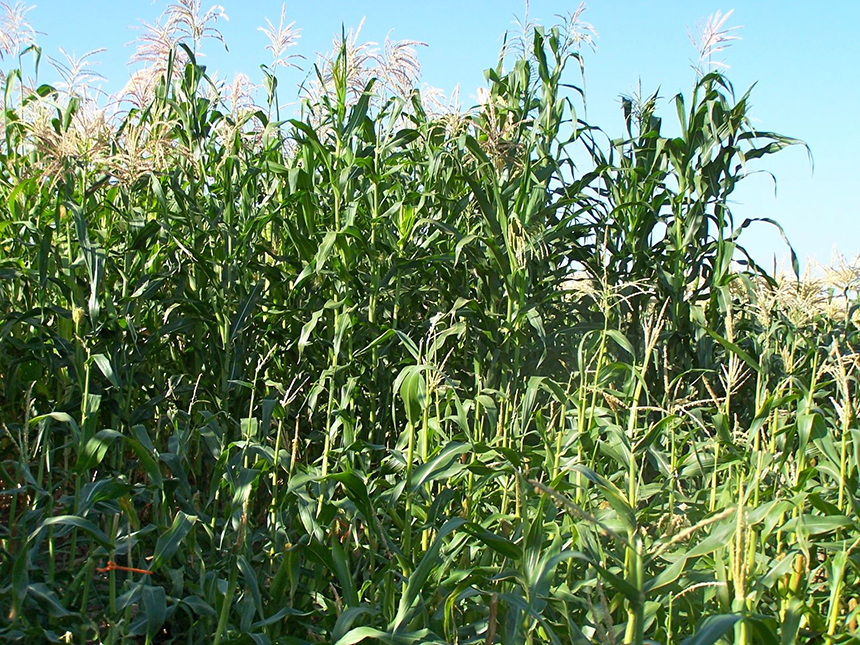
(373, 373)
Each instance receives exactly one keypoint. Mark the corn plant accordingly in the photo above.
(376, 372)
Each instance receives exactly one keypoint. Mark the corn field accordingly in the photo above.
(384, 370)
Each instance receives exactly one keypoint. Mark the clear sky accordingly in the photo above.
(804, 59)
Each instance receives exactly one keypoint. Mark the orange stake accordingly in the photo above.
(113, 566)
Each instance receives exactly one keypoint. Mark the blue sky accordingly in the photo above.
(805, 62)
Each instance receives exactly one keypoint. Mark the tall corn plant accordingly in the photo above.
(668, 222)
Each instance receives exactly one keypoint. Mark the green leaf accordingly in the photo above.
(199, 606)
(809, 524)
(169, 541)
(49, 600)
(324, 251)
(410, 600)
(346, 619)
(142, 446)
(497, 543)
(413, 391)
(617, 500)
(341, 570)
(444, 464)
(621, 341)
(105, 367)
(716, 540)
(712, 629)
(732, 347)
(102, 490)
(63, 418)
(360, 634)
(20, 578)
(95, 450)
(308, 328)
(666, 577)
(244, 312)
(80, 523)
(249, 575)
(154, 601)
